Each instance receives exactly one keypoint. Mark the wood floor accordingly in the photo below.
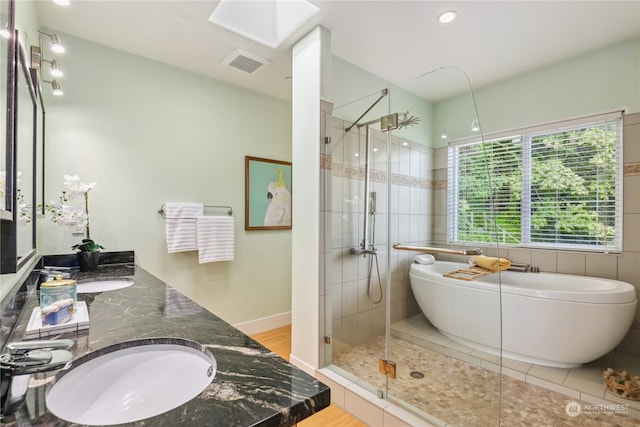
(279, 341)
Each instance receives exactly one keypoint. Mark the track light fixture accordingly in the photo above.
(55, 86)
(56, 43)
(56, 71)
(37, 59)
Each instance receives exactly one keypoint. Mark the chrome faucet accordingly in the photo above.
(21, 359)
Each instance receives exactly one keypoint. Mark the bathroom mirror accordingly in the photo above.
(19, 233)
(26, 124)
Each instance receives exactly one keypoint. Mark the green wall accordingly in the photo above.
(603, 80)
(149, 133)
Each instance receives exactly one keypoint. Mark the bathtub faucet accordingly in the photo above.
(522, 268)
(475, 251)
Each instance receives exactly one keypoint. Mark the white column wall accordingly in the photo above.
(311, 71)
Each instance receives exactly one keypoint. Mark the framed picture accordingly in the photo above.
(267, 194)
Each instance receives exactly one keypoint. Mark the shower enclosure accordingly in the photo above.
(385, 182)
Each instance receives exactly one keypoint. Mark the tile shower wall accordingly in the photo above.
(354, 318)
(625, 266)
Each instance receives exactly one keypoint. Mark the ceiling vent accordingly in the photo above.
(245, 61)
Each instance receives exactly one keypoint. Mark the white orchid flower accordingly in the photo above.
(74, 189)
(69, 216)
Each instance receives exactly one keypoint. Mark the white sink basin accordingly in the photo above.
(131, 381)
(102, 285)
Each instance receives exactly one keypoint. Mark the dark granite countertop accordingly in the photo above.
(252, 386)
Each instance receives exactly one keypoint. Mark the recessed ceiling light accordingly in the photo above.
(269, 22)
(447, 16)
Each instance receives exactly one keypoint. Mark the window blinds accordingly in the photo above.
(558, 185)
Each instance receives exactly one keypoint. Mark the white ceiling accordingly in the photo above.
(395, 40)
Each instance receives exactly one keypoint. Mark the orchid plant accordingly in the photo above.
(74, 217)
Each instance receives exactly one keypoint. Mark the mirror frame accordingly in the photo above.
(6, 214)
(40, 147)
(9, 260)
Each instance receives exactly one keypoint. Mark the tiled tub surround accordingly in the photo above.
(624, 266)
(252, 386)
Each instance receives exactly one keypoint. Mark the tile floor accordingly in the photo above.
(461, 386)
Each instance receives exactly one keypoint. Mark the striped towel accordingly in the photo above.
(215, 238)
(181, 225)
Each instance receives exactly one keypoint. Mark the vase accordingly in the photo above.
(88, 261)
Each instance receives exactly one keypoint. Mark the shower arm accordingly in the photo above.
(431, 250)
(378, 120)
(383, 93)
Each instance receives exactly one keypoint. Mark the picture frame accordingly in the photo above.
(268, 189)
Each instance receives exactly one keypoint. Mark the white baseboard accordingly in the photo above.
(265, 324)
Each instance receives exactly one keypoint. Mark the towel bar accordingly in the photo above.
(229, 212)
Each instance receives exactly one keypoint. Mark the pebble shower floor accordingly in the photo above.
(459, 393)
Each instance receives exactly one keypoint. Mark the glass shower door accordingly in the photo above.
(385, 182)
(355, 256)
(439, 375)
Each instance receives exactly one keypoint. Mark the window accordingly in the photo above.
(553, 186)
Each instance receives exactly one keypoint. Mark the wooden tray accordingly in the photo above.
(468, 274)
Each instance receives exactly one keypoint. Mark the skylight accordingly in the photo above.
(268, 22)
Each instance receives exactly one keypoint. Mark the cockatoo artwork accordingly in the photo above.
(279, 208)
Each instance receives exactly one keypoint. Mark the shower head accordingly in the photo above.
(407, 121)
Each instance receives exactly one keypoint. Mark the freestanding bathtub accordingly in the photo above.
(549, 319)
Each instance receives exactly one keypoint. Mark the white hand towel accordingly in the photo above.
(181, 225)
(215, 238)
